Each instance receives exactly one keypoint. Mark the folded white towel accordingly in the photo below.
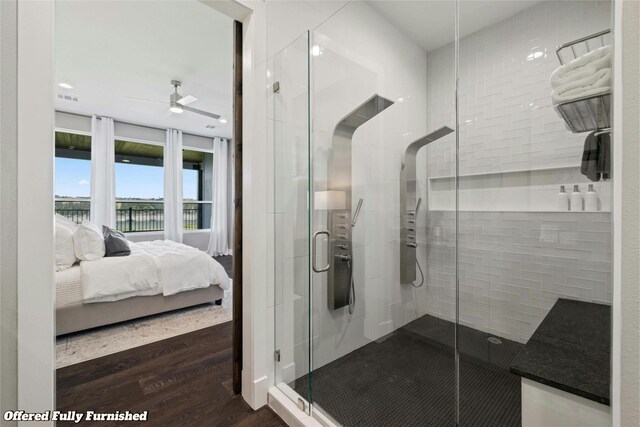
(595, 84)
(583, 66)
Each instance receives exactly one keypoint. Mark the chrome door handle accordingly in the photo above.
(314, 248)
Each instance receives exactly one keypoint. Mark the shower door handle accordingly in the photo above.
(314, 248)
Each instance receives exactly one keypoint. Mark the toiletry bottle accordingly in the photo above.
(591, 199)
(576, 199)
(562, 200)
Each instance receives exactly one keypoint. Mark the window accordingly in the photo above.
(73, 175)
(139, 174)
(197, 189)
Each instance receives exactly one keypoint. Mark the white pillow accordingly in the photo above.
(65, 252)
(66, 222)
(88, 242)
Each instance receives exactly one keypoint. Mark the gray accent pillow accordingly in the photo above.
(115, 243)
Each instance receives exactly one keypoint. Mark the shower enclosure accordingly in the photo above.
(417, 238)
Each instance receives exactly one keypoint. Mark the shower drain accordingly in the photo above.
(494, 340)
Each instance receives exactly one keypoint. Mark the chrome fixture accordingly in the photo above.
(409, 206)
(355, 215)
(341, 288)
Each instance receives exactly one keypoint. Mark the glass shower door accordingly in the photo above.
(380, 354)
(288, 130)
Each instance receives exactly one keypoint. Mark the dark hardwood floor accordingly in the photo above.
(181, 381)
(227, 262)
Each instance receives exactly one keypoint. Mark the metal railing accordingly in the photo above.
(75, 215)
(132, 219)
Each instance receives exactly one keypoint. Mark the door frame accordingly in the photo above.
(34, 307)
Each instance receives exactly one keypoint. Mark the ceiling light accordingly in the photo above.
(126, 161)
(65, 85)
(223, 121)
(176, 108)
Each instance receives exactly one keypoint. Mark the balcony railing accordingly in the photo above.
(133, 219)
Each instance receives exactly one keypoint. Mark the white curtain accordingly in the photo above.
(219, 239)
(103, 198)
(173, 212)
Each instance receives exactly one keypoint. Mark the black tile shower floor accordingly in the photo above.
(408, 379)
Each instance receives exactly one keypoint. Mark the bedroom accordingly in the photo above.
(143, 179)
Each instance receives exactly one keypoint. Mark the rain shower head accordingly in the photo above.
(416, 145)
(366, 111)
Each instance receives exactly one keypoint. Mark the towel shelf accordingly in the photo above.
(587, 114)
(591, 113)
(572, 50)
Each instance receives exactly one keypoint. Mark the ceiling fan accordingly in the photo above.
(179, 103)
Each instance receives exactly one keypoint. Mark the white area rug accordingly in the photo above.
(82, 346)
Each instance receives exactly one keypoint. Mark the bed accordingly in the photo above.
(157, 277)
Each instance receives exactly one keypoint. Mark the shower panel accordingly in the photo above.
(409, 206)
(340, 216)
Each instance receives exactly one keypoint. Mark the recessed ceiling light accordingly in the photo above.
(223, 121)
(126, 161)
(65, 85)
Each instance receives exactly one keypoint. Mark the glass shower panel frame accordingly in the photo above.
(288, 119)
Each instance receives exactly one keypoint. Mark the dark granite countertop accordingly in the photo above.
(570, 350)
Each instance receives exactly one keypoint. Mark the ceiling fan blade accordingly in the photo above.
(204, 113)
(187, 99)
(145, 100)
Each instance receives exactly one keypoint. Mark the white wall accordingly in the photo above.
(8, 208)
(629, 217)
(513, 266)
(516, 255)
(35, 153)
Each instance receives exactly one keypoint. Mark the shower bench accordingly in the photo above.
(565, 367)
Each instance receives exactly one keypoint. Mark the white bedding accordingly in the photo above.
(69, 287)
(158, 267)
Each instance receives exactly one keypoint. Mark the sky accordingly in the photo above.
(132, 181)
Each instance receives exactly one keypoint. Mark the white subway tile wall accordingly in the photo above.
(513, 266)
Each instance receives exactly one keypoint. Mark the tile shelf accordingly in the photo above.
(505, 172)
